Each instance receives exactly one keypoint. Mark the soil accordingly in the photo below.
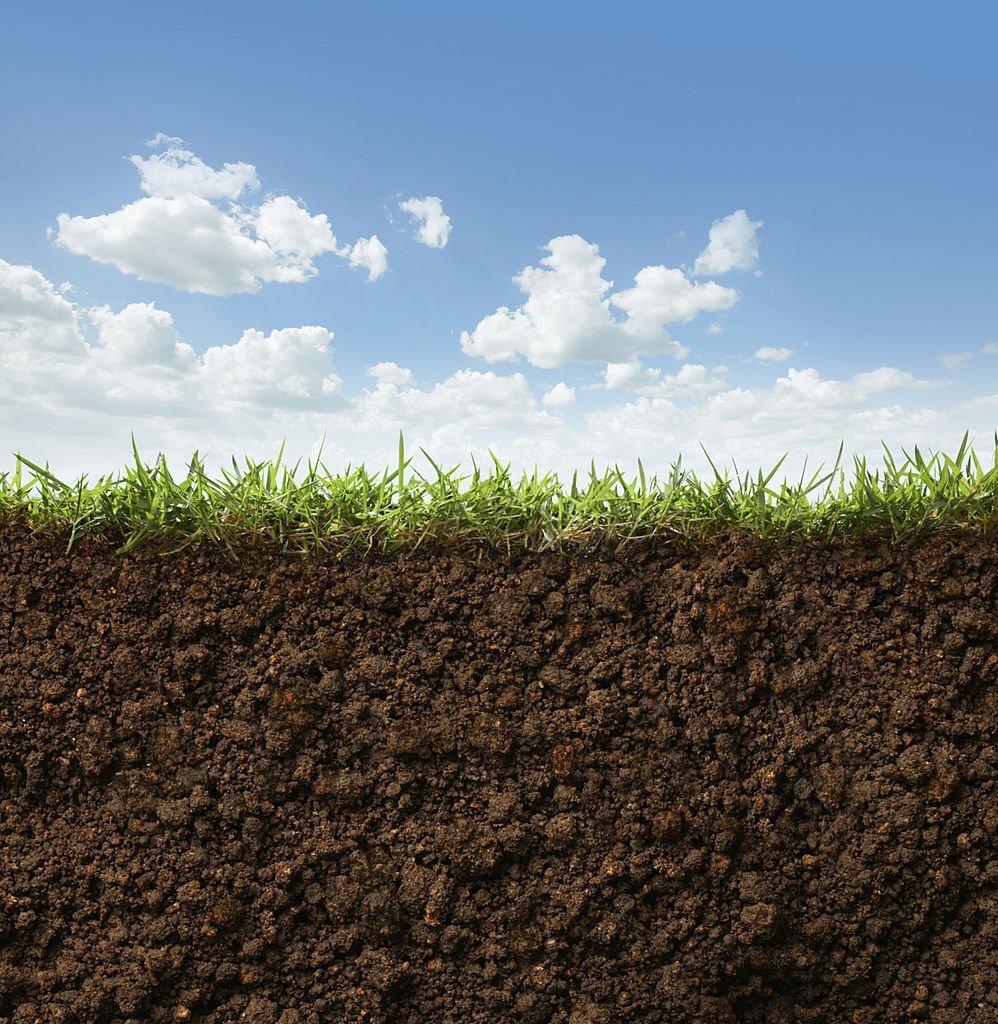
(750, 783)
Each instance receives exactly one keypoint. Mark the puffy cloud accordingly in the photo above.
(371, 254)
(732, 245)
(288, 368)
(288, 229)
(76, 382)
(567, 316)
(690, 379)
(178, 172)
(186, 243)
(714, 328)
(773, 355)
(139, 366)
(433, 226)
(666, 296)
(177, 235)
(468, 397)
(391, 373)
(561, 396)
(140, 337)
(34, 317)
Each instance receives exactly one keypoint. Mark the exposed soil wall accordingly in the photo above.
(754, 784)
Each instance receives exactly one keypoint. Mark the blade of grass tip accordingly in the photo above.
(832, 472)
(140, 469)
(43, 472)
(429, 459)
(958, 458)
(318, 456)
(273, 466)
(711, 461)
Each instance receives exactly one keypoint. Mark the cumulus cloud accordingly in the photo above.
(138, 363)
(732, 245)
(140, 337)
(567, 314)
(561, 396)
(77, 381)
(370, 254)
(288, 368)
(34, 316)
(666, 296)
(178, 172)
(391, 373)
(690, 379)
(475, 398)
(178, 234)
(714, 328)
(773, 355)
(433, 226)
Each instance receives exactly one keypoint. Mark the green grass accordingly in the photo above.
(264, 503)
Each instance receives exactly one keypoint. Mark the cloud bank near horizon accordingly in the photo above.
(79, 379)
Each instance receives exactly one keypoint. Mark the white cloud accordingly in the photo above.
(288, 368)
(475, 399)
(690, 379)
(177, 236)
(666, 296)
(371, 254)
(178, 172)
(140, 337)
(433, 226)
(714, 328)
(954, 360)
(561, 396)
(76, 381)
(186, 243)
(34, 317)
(628, 376)
(391, 373)
(567, 317)
(732, 245)
(289, 230)
(139, 365)
(773, 355)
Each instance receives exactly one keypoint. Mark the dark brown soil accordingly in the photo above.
(751, 784)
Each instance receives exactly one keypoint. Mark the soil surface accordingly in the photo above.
(755, 783)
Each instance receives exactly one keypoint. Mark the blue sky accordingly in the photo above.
(796, 209)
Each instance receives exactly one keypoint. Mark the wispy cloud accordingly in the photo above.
(954, 360)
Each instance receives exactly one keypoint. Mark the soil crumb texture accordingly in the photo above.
(751, 783)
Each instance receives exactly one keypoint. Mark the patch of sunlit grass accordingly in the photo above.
(356, 511)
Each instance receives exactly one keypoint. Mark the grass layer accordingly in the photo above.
(355, 511)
